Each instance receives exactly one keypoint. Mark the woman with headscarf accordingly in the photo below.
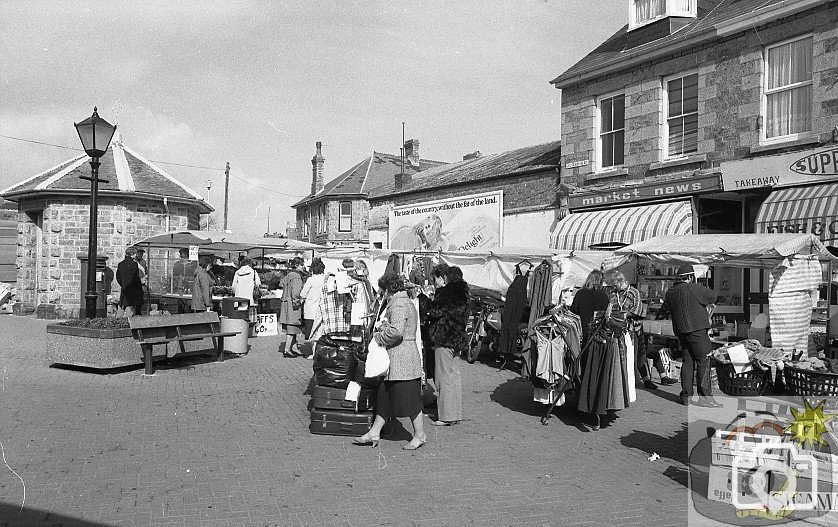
(291, 313)
(400, 393)
(448, 315)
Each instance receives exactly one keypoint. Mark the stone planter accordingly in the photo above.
(92, 348)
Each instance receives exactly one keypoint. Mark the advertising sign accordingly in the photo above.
(193, 253)
(265, 325)
(812, 166)
(464, 223)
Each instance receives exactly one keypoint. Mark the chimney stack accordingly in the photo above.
(411, 152)
(317, 171)
(473, 155)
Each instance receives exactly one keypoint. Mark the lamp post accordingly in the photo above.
(95, 134)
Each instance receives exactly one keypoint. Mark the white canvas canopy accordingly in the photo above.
(492, 270)
(222, 241)
(763, 251)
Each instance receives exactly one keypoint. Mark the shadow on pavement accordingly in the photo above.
(673, 448)
(13, 516)
(516, 395)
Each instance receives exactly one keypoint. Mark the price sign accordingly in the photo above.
(265, 325)
(193, 253)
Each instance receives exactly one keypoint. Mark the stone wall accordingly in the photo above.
(55, 276)
(730, 77)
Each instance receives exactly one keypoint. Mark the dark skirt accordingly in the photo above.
(308, 325)
(399, 399)
(604, 380)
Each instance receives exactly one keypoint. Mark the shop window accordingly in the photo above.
(612, 130)
(682, 115)
(720, 216)
(345, 220)
(646, 11)
(788, 89)
(306, 221)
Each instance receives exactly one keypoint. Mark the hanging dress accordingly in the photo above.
(513, 310)
(605, 379)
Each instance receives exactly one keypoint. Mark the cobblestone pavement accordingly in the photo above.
(209, 444)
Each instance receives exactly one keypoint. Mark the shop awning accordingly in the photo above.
(812, 209)
(581, 230)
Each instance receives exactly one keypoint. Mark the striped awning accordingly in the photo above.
(812, 209)
(581, 230)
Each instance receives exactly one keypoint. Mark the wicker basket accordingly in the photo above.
(808, 382)
(751, 383)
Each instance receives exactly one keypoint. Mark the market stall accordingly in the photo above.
(797, 264)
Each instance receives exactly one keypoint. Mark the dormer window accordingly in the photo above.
(644, 12)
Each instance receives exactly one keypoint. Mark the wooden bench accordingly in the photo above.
(162, 329)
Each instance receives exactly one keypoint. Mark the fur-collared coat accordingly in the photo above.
(448, 315)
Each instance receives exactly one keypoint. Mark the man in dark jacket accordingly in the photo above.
(687, 303)
(128, 278)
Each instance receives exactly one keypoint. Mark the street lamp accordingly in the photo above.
(95, 134)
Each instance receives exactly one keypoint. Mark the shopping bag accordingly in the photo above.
(378, 361)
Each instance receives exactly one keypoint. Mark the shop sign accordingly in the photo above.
(824, 228)
(665, 190)
(464, 223)
(265, 326)
(795, 168)
(577, 164)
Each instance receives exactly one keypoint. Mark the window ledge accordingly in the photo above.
(808, 139)
(680, 161)
(605, 174)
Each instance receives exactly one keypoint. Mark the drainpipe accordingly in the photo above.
(166, 206)
(166, 253)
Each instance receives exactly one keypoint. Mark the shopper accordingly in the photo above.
(291, 313)
(687, 303)
(590, 298)
(245, 282)
(311, 294)
(448, 316)
(202, 286)
(400, 393)
(128, 278)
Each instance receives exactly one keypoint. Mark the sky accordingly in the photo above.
(257, 84)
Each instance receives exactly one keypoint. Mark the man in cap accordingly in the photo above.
(687, 303)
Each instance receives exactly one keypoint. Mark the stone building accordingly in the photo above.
(704, 116)
(53, 214)
(336, 213)
(526, 178)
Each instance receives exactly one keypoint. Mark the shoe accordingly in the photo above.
(310, 357)
(444, 423)
(685, 400)
(668, 381)
(414, 444)
(708, 402)
(289, 355)
(366, 440)
(649, 385)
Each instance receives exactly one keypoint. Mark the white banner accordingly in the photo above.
(265, 325)
(464, 223)
(796, 168)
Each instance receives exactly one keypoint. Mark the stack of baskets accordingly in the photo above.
(801, 381)
(751, 383)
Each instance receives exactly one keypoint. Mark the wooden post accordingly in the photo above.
(226, 193)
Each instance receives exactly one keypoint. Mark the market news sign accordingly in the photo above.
(813, 166)
(668, 189)
(464, 223)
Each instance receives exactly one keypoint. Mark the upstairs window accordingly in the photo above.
(788, 89)
(612, 130)
(682, 115)
(647, 11)
(345, 220)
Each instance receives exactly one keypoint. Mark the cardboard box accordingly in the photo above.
(666, 328)
(751, 449)
(750, 485)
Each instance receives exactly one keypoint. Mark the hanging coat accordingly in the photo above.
(542, 292)
(513, 310)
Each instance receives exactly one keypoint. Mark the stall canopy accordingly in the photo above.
(222, 241)
(810, 209)
(582, 230)
(765, 251)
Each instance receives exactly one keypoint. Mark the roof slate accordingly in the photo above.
(710, 13)
(372, 172)
(546, 156)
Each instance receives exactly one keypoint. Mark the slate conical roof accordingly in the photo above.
(127, 172)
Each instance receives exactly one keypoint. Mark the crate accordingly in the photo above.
(807, 382)
(751, 383)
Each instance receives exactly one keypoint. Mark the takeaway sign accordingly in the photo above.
(813, 166)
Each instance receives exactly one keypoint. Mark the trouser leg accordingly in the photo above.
(687, 371)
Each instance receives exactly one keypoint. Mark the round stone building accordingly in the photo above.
(139, 200)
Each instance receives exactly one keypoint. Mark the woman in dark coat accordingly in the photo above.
(592, 297)
(448, 315)
(291, 312)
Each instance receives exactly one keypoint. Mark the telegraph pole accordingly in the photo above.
(226, 193)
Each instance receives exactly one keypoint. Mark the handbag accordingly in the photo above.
(378, 360)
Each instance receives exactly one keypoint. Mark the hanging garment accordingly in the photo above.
(541, 292)
(394, 264)
(513, 310)
(605, 379)
(550, 357)
(548, 396)
(629, 367)
(332, 307)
